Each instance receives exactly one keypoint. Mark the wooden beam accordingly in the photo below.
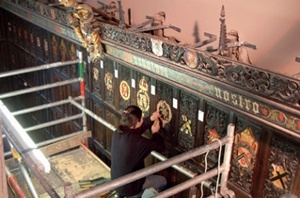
(66, 144)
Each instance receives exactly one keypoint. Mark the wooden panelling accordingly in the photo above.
(265, 160)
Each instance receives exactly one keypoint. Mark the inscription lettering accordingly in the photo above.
(237, 100)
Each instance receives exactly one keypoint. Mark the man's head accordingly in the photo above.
(132, 117)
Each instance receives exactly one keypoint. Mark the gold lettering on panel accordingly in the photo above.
(237, 100)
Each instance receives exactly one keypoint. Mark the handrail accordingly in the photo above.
(171, 162)
(23, 144)
(54, 122)
(38, 88)
(18, 136)
(38, 68)
(41, 107)
(111, 185)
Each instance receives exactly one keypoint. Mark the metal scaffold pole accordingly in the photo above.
(82, 89)
(3, 191)
(38, 68)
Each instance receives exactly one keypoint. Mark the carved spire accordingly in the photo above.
(222, 42)
(121, 13)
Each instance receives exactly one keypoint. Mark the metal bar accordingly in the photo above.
(37, 68)
(82, 89)
(41, 107)
(20, 139)
(179, 168)
(47, 124)
(227, 158)
(151, 169)
(3, 185)
(189, 183)
(68, 189)
(28, 181)
(38, 88)
(93, 115)
(84, 120)
(34, 159)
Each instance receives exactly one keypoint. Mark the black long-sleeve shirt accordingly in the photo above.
(128, 151)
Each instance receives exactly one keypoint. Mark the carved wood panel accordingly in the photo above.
(32, 38)
(19, 36)
(165, 93)
(54, 48)
(143, 86)
(96, 79)
(39, 43)
(283, 159)
(216, 121)
(46, 46)
(244, 156)
(64, 56)
(97, 128)
(188, 108)
(109, 82)
(124, 87)
(111, 118)
(283, 165)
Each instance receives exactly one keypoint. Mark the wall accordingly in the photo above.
(265, 161)
(273, 26)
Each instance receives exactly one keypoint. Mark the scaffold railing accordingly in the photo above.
(16, 134)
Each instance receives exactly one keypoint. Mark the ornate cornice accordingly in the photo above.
(277, 96)
(274, 86)
(281, 88)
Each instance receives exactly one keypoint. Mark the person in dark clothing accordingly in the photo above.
(129, 149)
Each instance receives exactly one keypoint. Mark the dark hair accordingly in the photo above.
(130, 116)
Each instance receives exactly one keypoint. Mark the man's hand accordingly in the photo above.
(155, 116)
(155, 126)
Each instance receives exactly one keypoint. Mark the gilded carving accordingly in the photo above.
(186, 126)
(187, 129)
(165, 93)
(124, 90)
(95, 73)
(283, 165)
(86, 27)
(245, 149)
(72, 52)
(278, 176)
(54, 44)
(165, 111)
(143, 99)
(63, 50)
(244, 157)
(108, 80)
(252, 79)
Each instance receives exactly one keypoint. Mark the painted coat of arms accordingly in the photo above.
(157, 47)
